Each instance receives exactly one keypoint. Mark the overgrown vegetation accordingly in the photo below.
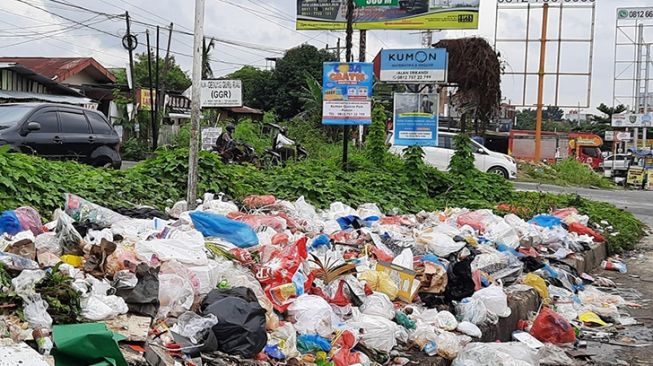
(568, 172)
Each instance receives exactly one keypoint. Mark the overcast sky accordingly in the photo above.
(267, 28)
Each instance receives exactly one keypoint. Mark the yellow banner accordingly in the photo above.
(454, 19)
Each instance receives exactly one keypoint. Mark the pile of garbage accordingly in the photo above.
(274, 281)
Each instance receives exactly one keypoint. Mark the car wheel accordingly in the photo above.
(103, 163)
(499, 171)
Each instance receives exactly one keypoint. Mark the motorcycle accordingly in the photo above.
(283, 148)
(239, 153)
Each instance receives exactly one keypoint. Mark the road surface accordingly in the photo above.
(639, 203)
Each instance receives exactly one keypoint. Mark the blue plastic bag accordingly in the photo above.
(547, 221)
(218, 226)
(9, 223)
(312, 342)
(321, 240)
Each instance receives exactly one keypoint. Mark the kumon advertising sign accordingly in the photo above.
(401, 14)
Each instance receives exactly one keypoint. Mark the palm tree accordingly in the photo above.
(207, 71)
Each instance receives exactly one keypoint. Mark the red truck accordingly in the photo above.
(585, 147)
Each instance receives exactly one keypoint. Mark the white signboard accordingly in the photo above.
(221, 93)
(634, 13)
(632, 120)
(550, 2)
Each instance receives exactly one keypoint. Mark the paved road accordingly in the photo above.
(639, 203)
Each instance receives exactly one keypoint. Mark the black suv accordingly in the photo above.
(59, 131)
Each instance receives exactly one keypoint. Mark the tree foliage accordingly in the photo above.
(257, 86)
(176, 80)
(476, 69)
(207, 70)
(375, 148)
(462, 161)
(608, 111)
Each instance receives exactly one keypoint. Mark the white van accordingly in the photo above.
(485, 160)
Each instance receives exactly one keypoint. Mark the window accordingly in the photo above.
(445, 142)
(98, 124)
(591, 151)
(10, 115)
(73, 123)
(48, 122)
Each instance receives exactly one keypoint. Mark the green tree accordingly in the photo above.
(257, 88)
(608, 111)
(289, 77)
(375, 148)
(553, 113)
(176, 80)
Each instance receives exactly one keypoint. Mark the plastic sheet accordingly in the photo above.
(538, 284)
(237, 233)
(35, 313)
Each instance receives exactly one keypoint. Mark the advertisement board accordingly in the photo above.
(401, 14)
(144, 100)
(634, 13)
(221, 93)
(419, 65)
(415, 119)
(347, 93)
(632, 120)
(542, 2)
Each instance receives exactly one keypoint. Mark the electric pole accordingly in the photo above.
(165, 72)
(130, 48)
(540, 85)
(362, 51)
(195, 106)
(155, 122)
(348, 46)
(149, 74)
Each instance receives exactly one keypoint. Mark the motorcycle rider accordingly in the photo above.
(284, 145)
(225, 145)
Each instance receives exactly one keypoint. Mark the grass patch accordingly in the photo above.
(568, 172)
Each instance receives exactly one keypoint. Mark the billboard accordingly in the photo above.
(632, 120)
(419, 65)
(416, 119)
(221, 93)
(405, 14)
(347, 93)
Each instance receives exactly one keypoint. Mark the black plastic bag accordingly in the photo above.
(531, 264)
(460, 283)
(241, 322)
(144, 297)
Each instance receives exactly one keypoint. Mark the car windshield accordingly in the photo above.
(592, 151)
(10, 115)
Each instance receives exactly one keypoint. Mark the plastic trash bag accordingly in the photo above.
(237, 233)
(538, 283)
(312, 315)
(24, 283)
(469, 329)
(48, 243)
(376, 332)
(502, 232)
(546, 221)
(478, 220)
(241, 322)
(304, 209)
(144, 297)
(254, 201)
(473, 310)
(378, 304)
(439, 244)
(380, 282)
(36, 314)
(497, 354)
(9, 223)
(551, 327)
(193, 326)
(445, 320)
(286, 337)
(187, 250)
(460, 283)
(82, 210)
(578, 228)
(29, 219)
(450, 344)
(103, 307)
(16, 262)
(495, 300)
(69, 238)
(307, 343)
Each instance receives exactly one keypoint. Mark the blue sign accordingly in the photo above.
(416, 119)
(347, 93)
(419, 65)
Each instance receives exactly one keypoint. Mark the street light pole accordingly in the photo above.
(348, 45)
(195, 106)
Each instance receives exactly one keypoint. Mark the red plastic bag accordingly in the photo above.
(551, 327)
(259, 201)
(344, 356)
(474, 219)
(280, 239)
(576, 227)
(256, 221)
(564, 212)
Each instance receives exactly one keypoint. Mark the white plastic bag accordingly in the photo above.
(469, 329)
(445, 320)
(48, 243)
(313, 315)
(286, 338)
(304, 209)
(378, 304)
(193, 326)
(472, 310)
(450, 344)
(94, 237)
(98, 307)
(501, 232)
(405, 259)
(495, 300)
(24, 283)
(175, 295)
(184, 250)
(376, 332)
(36, 314)
(437, 243)
(499, 354)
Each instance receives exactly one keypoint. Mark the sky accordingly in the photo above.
(263, 29)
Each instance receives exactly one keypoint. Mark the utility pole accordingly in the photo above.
(338, 48)
(362, 51)
(646, 78)
(195, 106)
(540, 85)
(165, 72)
(638, 78)
(149, 76)
(130, 48)
(155, 123)
(348, 45)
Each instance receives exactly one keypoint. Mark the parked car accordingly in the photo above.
(59, 131)
(485, 159)
(620, 162)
